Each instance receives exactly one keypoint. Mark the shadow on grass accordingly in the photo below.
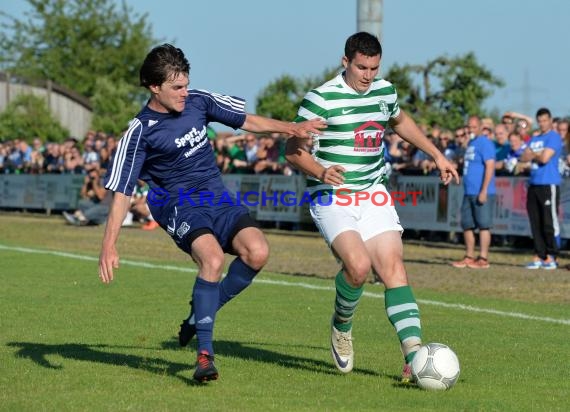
(254, 351)
(38, 353)
(101, 353)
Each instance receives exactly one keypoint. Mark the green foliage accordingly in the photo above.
(75, 43)
(28, 116)
(113, 106)
(444, 90)
(282, 97)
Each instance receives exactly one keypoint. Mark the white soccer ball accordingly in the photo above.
(435, 367)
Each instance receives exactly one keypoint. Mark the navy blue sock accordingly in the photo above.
(238, 278)
(205, 297)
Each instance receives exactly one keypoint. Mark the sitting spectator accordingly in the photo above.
(139, 207)
(93, 207)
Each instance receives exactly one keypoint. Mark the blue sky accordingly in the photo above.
(239, 47)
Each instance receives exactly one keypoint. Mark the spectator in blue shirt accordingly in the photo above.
(543, 194)
(478, 196)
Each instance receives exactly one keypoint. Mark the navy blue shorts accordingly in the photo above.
(185, 223)
(475, 215)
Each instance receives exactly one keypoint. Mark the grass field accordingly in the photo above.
(70, 343)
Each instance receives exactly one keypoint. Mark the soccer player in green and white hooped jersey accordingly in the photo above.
(349, 156)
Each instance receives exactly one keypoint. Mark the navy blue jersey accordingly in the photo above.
(171, 152)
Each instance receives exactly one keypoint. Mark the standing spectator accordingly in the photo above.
(267, 156)
(73, 161)
(53, 159)
(26, 155)
(543, 195)
(461, 142)
(502, 148)
(478, 196)
(562, 129)
(37, 164)
(513, 164)
(251, 148)
(3, 156)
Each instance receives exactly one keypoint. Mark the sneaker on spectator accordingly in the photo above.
(549, 263)
(463, 262)
(535, 264)
(480, 263)
(71, 219)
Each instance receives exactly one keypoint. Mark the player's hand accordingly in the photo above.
(447, 172)
(108, 260)
(308, 128)
(333, 175)
(482, 198)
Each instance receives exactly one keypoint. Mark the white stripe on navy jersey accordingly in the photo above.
(121, 154)
(225, 104)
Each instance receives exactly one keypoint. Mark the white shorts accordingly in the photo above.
(366, 218)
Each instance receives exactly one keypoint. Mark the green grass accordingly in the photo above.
(70, 343)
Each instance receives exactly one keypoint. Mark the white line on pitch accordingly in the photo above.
(304, 285)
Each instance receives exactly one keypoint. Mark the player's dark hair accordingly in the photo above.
(161, 63)
(541, 111)
(363, 43)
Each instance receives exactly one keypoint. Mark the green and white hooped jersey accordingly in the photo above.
(355, 127)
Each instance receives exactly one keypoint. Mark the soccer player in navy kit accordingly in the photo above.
(166, 145)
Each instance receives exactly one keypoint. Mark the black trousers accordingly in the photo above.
(542, 202)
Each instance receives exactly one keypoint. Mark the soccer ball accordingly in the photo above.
(435, 367)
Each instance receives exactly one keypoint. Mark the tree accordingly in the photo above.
(112, 106)
(444, 90)
(76, 42)
(282, 97)
(28, 116)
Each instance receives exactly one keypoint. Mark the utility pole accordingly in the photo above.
(369, 16)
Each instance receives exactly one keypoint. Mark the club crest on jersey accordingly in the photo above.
(368, 137)
(383, 107)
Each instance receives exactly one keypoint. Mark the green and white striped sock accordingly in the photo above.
(347, 298)
(404, 315)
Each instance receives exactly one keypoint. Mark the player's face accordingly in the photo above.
(170, 96)
(361, 71)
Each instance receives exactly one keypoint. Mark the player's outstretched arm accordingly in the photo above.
(109, 258)
(405, 126)
(259, 124)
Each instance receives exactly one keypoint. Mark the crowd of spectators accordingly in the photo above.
(249, 153)
(510, 137)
